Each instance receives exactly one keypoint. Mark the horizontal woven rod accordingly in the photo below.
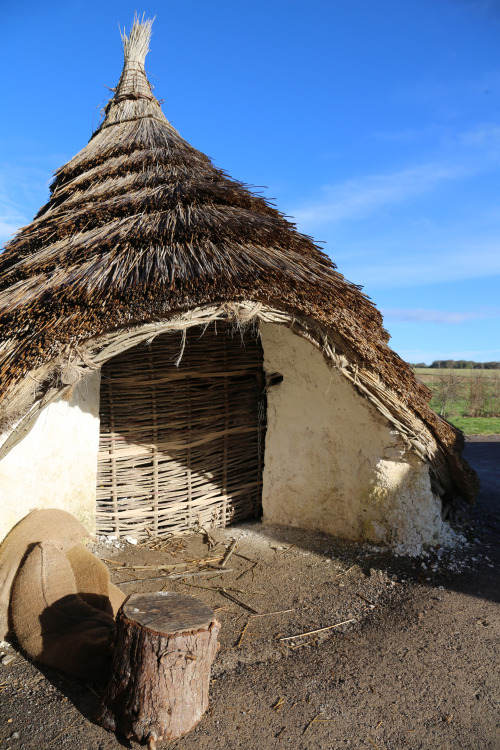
(140, 458)
(174, 510)
(175, 376)
(179, 446)
(215, 497)
(166, 490)
(133, 433)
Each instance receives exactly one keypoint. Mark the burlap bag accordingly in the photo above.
(51, 525)
(52, 623)
(92, 580)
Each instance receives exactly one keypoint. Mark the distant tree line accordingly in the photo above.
(459, 364)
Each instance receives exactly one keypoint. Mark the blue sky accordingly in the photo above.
(376, 125)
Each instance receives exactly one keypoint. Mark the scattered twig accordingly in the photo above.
(93, 691)
(214, 588)
(240, 639)
(372, 604)
(153, 567)
(64, 731)
(244, 557)
(229, 552)
(372, 743)
(254, 565)
(238, 601)
(176, 576)
(268, 614)
(288, 549)
(319, 630)
(278, 736)
(312, 721)
(171, 566)
(345, 572)
(279, 704)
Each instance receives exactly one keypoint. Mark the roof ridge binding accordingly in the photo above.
(133, 97)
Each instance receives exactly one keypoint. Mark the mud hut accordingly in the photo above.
(175, 354)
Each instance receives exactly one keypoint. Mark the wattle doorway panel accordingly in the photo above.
(181, 447)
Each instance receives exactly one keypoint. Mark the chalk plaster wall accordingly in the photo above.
(55, 466)
(332, 462)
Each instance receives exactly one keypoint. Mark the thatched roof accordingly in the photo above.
(141, 227)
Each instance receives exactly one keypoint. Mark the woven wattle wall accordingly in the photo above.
(181, 447)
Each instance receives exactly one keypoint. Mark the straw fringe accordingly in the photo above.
(136, 45)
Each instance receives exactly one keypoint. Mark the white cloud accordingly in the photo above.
(362, 197)
(464, 154)
(429, 264)
(485, 135)
(23, 189)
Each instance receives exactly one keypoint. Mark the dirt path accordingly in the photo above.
(417, 666)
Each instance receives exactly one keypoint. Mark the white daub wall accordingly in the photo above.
(332, 463)
(55, 465)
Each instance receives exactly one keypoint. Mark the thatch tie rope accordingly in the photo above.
(135, 95)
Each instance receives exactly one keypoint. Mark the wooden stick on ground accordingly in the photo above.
(312, 721)
(268, 614)
(229, 552)
(176, 576)
(238, 601)
(319, 630)
(240, 639)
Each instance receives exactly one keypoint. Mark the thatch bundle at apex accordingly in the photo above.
(159, 315)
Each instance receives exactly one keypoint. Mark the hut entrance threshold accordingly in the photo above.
(181, 447)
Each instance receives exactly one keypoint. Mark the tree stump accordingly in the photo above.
(165, 645)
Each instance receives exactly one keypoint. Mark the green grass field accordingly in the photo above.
(470, 399)
(477, 425)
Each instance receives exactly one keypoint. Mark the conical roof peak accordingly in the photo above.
(134, 98)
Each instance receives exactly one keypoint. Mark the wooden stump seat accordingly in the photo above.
(165, 645)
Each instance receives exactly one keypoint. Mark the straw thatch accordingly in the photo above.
(143, 234)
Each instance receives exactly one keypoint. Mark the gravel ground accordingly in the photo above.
(414, 666)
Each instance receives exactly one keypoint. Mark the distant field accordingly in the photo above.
(469, 399)
(423, 373)
(477, 425)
